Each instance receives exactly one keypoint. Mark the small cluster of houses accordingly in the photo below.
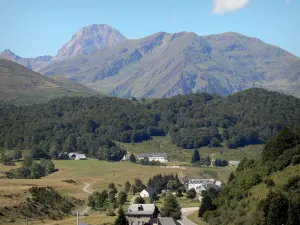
(163, 158)
(198, 184)
(77, 156)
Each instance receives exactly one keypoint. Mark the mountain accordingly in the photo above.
(20, 85)
(90, 38)
(164, 65)
(86, 40)
(31, 63)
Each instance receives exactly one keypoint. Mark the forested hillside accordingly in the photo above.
(85, 124)
(261, 192)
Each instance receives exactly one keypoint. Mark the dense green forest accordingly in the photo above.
(261, 192)
(91, 125)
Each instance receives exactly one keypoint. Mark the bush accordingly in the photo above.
(110, 212)
(270, 183)
(191, 194)
(296, 160)
(139, 200)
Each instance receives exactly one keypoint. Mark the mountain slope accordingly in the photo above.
(164, 65)
(31, 63)
(86, 40)
(23, 86)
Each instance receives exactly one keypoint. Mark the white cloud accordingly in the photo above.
(224, 6)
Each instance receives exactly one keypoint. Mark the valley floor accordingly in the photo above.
(100, 173)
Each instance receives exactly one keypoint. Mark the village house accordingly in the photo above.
(140, 214)
(194, 183)
(234, 163)
(72, 155)
(147, 193)
(161, 157)
(204, 184)
(81, 157)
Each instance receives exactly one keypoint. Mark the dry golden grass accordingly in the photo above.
(98, 173)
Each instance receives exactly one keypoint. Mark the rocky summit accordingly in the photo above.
(90, 38)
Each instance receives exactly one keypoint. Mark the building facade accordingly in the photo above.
(160, 157)
(195, 183)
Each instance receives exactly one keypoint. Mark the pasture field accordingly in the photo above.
(178, 155)
(100, 173)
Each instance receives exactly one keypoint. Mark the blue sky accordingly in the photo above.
(32, 28)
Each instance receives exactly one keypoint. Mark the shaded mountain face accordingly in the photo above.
(91, 38)
(164, 65)
(86, 40)
(20, 85)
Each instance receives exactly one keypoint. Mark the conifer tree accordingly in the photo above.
(196, 156)
(127, 187)
(121, 219)
(171, 207)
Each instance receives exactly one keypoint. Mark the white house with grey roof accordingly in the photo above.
(204, 184)
(81, 157)
(194, 183)
(161, 157)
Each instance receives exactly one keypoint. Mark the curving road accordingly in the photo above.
(85, 189)
(185, 212)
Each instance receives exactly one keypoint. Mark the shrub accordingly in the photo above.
(296, 160)
(270, 183)
(110, 212)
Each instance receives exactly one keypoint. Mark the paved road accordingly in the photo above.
(85, 189)
(185, 212)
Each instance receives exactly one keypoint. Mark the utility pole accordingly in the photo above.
(77, 218)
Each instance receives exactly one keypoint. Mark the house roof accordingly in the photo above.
(81, 156)
(147, 209)
(163, 221)
(150, 191)
(201, 181)
(153, 155)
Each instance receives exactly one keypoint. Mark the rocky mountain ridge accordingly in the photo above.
(164, 64)
(88, 39)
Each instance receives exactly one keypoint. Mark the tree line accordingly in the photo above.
(92, 125)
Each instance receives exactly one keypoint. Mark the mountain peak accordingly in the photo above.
(7, 52)
(90, 38)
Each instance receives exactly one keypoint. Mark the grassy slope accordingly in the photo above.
(163, 144)
(194, 218)
(23, 86)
